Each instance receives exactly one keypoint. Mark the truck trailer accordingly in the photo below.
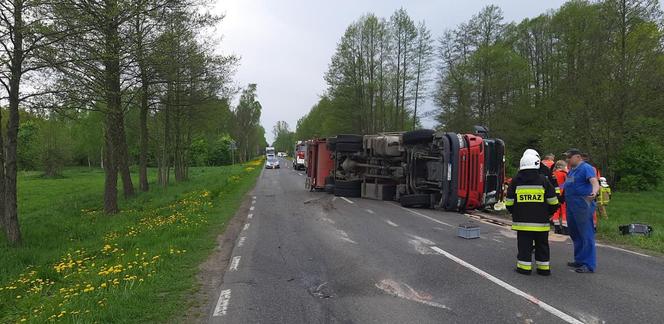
(420, 168)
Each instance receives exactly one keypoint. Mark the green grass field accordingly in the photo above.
(641, 207)
(78, 265)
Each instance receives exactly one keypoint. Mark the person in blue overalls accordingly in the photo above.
(581, 188)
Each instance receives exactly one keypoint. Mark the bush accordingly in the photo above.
(640, 164)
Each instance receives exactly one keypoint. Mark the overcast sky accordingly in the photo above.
(286, 45)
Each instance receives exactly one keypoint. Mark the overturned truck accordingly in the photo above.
(420, 168)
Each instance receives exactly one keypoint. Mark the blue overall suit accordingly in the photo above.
(580, 214)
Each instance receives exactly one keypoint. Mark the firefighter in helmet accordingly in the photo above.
(532, 200)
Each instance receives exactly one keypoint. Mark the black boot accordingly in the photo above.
(543, 272)
(523, 271)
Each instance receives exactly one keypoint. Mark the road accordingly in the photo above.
(309, 257)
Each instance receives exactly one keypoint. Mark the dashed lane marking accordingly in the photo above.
(251, 208)
(222, 303)
(253, 202)
(240, 242)
(554, 311)
(246, 226)
(250, 216)
(427, 217)
(347, 200)
(235, 263)
(370, 211)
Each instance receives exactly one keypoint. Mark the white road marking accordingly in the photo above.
(347, 200)
(235, 263)
(251, 208)
(253, 197)
(300, 174)
(391, 223)
(222, 303)
(554, 311)
(250, 216)
(240, 242)
(334, 198)
(427, 217)
(253, 202)
(370, 211)
(246, 226)
(621, 249)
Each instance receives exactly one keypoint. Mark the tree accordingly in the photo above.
(27, 33)
(424, 54)
(248, 133)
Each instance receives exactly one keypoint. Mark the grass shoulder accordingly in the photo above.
(635, 207)
(79, 265)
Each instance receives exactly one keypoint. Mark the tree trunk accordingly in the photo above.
(114, 111)
(143, 145)
(110, 169)
(123, 157)
(12, 227)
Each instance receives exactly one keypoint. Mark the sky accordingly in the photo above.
(285, 46)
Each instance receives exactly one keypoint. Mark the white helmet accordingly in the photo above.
(529, 162)
(531, 152)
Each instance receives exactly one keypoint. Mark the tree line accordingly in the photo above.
(116, 83)
(589, 75)
(376, 80)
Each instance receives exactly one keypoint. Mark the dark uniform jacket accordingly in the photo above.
(532, 200)
(546, 171)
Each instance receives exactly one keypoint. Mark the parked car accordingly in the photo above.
(272, 162)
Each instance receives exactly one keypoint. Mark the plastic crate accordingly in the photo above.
(468, 231)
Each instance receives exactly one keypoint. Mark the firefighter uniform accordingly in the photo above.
(532, 200)
(560, 217)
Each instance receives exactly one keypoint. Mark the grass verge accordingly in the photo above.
(78, 265)
(638, 207)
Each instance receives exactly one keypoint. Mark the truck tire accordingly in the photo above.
(417, 201)
(331, 144)
(351, 188)
(348, 147)
(418, 136)
(329, 188)
(349, 138)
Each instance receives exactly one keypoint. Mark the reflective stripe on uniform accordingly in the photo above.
(552, 201)
(509, 201)
(557, 190)
(531, 227)
(543, 265)
(530, 193)
(524, 265)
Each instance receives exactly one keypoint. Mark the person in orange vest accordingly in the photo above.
(549, 161)
(560, 217)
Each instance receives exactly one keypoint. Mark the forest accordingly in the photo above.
(589, 75)
(119, 85)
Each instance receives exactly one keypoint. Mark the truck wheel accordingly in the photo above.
(329, 188)
(418, 136)
(349, 138)
(351, 188)
(349, 147)
(331, 144)
(417, 200)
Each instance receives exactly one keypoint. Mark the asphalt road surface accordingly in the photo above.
(310, 257)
